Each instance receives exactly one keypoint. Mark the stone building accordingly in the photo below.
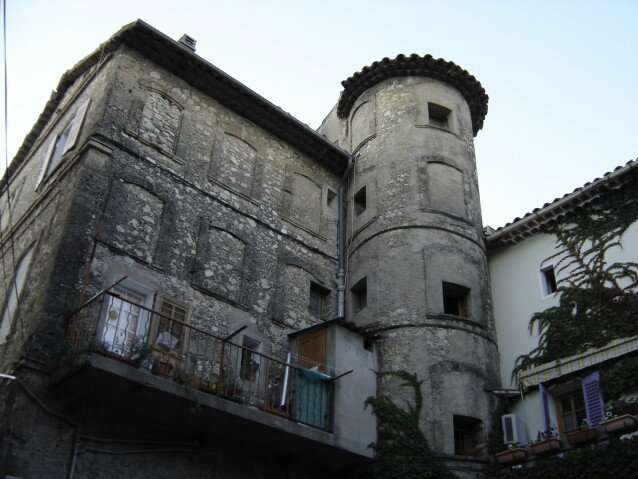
(197, 284)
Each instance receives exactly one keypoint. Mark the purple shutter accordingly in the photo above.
(594, 405)
(545, 405)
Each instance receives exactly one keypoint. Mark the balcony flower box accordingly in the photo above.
(516, 454)
(619, 424)
(546, 446)
(582, 436)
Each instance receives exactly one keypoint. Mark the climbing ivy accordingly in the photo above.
(402, 450)
(495, 436)
(598, 301)
(619, 377)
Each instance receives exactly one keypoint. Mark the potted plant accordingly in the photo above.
(582, 435)
(616, 422)
(514, 453)
(162, 365)
(546, 442)
(139, 351)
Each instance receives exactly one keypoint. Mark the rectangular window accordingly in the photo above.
(548, 280)
(12, 301)
(63, 142)
(171, 334)
(360, 295)
(467, 432)
(570, 411)
(455, 299)
(439, 116)
(360, 201)
(126, 322)
(316, 301)
(249, 370)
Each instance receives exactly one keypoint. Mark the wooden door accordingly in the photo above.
(311, 351)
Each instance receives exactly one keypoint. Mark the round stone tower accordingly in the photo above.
(416, 262)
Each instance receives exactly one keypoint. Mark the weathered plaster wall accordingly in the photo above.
(189, 200)
(225, 217)
(42, 205)
(421, 226)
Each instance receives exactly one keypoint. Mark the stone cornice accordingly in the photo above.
(415, 65)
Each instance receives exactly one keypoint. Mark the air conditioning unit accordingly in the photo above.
(514, 429)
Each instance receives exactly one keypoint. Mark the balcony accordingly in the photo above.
(162, 368)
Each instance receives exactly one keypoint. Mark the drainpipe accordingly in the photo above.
(341, 273)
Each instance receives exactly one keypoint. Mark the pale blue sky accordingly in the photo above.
(561, 75)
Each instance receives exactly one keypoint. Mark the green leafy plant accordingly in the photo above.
(402, 450)
(598, 301)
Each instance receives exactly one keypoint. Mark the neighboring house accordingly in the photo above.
(587, 340)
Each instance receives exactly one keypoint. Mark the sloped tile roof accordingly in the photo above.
(531, 223)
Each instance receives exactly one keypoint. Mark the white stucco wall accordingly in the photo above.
(517, 294)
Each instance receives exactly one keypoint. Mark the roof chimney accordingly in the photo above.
(188, 41)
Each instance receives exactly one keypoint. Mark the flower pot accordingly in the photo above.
(511, 455)
(619, 424)
(582, 436)
(162, 369)
(546, 446)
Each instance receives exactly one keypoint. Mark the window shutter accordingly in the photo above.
(545, 405)
(594, 405)
(45, 163)
(76, 126)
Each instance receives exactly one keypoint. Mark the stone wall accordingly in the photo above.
(417, 228)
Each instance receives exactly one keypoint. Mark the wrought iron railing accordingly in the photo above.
(122, 329)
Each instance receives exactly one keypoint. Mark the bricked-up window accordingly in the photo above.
(455, 299)
(467, 432)
(171, 334)
(548, 280)
(439, 116)
(360, 295)
(360, 201)
(160, 121)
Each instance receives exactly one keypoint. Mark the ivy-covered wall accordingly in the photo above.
(598, 299)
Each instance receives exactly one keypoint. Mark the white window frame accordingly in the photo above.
(72, 129)
(542, 280)
(12, 301)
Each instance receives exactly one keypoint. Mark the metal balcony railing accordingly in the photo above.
(151, 341)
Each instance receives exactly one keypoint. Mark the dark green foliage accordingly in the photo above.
(598, 301)
(495, 437)
(619, 377)
(618, 461)
(402, 451)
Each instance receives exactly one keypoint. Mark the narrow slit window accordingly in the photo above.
(360, 201)
(439, 116)
(455, 299)
(332, 200)
(360, 295)
(548, 280)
